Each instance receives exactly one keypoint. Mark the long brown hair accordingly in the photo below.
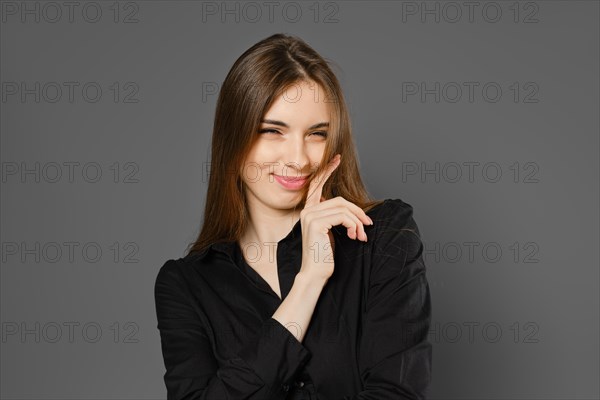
(256, 79)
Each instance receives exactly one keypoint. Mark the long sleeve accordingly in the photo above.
(264, 364)
(395, 355)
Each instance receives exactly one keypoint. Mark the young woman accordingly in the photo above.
(299, 286)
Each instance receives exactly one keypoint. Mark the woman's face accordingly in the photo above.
(291, 142)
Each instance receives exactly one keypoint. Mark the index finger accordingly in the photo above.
(316, 185)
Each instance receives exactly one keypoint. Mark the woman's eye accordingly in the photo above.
(274, 131)
(268, 131)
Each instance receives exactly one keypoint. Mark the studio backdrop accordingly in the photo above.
(481, 115)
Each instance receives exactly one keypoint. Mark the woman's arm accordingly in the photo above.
(260, 370)
(297, 308)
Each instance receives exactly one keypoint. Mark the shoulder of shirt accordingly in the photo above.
(177, 269)
(392, 215)
(167, 273)
(172, 268)
(392, 210)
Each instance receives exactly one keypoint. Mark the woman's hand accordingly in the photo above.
(317, 219)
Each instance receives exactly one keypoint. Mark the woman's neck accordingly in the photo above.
(268, 230)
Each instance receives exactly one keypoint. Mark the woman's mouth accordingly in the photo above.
(291, 183)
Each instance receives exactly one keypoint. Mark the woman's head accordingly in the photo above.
(290, 144)
(279, 79)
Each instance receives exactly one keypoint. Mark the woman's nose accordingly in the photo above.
(296, 157)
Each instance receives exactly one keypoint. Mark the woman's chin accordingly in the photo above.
(289, 201)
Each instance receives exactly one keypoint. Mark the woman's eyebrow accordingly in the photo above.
(281, 123)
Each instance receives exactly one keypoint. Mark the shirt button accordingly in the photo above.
(300, 384)
(286, 388)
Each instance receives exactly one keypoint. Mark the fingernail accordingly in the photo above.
(370, 220)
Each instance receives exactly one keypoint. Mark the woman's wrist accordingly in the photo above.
(297, 308)
(310, 282)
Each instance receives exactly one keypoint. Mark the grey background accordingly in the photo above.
(171, 53)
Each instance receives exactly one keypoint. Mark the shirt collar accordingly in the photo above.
(294, 236)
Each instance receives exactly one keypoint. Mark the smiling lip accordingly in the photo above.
(292, 183)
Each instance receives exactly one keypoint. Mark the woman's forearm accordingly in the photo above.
(297, 308)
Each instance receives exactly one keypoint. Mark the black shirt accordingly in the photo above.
(367, 338)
